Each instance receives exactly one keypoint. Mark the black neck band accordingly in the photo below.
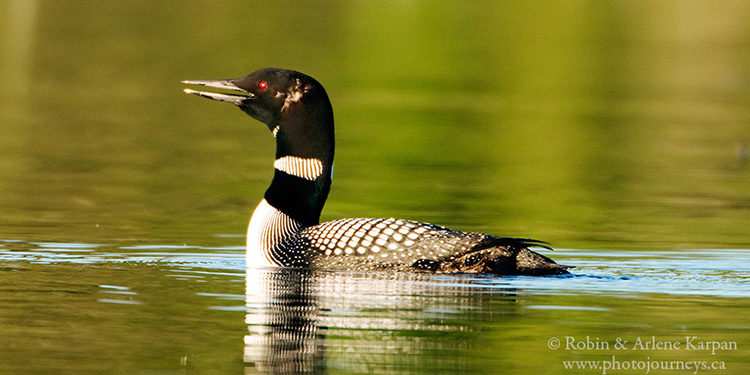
(300, 199)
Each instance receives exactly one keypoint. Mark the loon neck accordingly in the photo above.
(304, 160)
(299, 198)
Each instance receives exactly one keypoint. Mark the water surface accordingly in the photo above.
(197, 309)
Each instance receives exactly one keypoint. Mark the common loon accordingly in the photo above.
(284, 230)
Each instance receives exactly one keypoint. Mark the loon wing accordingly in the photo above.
(366, 243)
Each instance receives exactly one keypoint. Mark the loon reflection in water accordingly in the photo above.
(284, 229)
(306, 321)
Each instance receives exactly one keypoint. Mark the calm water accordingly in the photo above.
(618, 131)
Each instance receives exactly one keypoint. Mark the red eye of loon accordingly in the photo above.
(262, 85)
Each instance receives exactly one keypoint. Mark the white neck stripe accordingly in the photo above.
(307, 168)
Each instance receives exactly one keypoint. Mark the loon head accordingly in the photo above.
(296, 109)
(294, 106)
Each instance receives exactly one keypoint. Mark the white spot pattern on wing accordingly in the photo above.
(354, 243)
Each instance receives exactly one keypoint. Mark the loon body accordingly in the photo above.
(284, 230)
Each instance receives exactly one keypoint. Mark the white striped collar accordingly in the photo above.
(307, 168)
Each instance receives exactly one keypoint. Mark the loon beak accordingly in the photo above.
(225, 84)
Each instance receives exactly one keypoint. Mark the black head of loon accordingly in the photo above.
(284, 229)
(296, 109)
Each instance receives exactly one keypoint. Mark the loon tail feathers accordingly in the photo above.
(499, 256)
(511, 243)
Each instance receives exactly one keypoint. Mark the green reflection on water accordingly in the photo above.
(125, 318)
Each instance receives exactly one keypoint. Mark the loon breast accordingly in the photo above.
(268, 228)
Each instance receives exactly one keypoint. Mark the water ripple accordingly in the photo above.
(708, 272)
